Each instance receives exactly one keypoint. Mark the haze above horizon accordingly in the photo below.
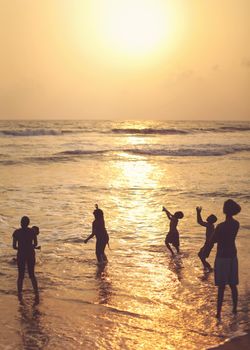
(124, 59)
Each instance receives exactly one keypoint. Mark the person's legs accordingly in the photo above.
(31, 269)
(100, 248)
(21, 272)
(205, 264)
(176, 242)
(98, 251)
(234, 291)
(104, 257)
(220, 298)
(168, 246)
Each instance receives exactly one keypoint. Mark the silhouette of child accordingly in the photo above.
(207, 247)
(173, 234)
(102, 237)
(226, 262)
(35, 230)
(25, 242)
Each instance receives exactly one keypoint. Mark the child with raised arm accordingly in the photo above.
(208, 245)
(100, 232)
(173, 234)
(226, 262)
(25, 242)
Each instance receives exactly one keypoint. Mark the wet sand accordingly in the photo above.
(241, 343)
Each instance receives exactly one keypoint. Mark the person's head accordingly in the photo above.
(211, 219)
(98, 214)
(25, 221)
(35, 229)
(231, 208)
(178, 214)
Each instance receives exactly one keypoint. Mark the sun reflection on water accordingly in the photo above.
(137, 174)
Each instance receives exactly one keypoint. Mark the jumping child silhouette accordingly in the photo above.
(173, 234)
(207, 247)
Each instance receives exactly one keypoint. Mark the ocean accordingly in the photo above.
(56, 171)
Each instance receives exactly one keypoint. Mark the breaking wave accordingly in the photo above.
(30, 132)
(150, 131)
(57, 130)
(208, 151)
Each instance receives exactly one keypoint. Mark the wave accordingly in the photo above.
(208, 151)
(174, 131)
(66, 156)
(150, 131)
(234, 128)
(49, 159)
(30, 132)
(76, 155)
(199, 150)
(220, 194)
(81, 152)
(9, 162)
(60, 129)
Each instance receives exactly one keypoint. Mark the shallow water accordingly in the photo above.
(55, 172)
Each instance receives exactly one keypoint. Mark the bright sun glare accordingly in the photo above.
(124, 30)
(135, 27)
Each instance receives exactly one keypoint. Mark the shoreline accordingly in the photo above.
(241, 342)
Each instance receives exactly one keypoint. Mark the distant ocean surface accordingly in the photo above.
(56, 171)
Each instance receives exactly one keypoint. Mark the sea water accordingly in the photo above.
(56, 171)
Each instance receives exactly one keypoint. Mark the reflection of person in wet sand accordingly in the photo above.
(226, 262)
(176, 266)
(33, 334)
(173, 234)
(25, 242)
(102, 237)
(105, 288)
(207, 247)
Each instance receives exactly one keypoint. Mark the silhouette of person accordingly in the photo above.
(25, 242)
(36, 230)
(173, 234)
(207, 247)
(100, 232)
(226, 262)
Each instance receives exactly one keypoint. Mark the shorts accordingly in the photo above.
(173, 238)
(226, 271)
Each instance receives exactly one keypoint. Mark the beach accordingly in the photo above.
(236, 343)
(56, 171)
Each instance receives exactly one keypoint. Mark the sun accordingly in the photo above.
(123, 32)
(135, 27)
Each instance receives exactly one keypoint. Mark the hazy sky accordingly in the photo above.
(112, 59)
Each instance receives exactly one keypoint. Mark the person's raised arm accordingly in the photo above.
(199, 218)
(169, 215)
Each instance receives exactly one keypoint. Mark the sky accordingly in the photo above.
(124, 59)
